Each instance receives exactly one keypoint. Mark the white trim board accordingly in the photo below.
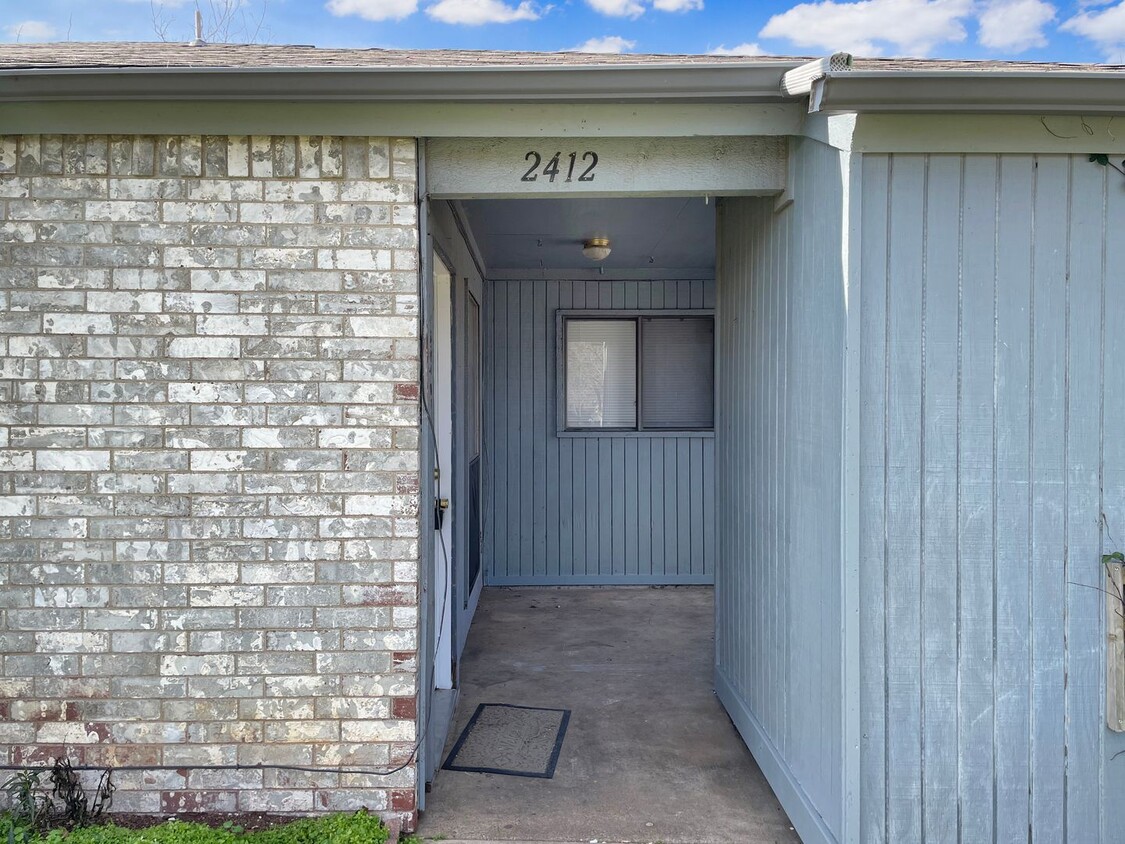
(539, 167)
(969, 133)
(402, 119)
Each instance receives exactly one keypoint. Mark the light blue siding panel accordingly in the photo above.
(779, 462)
(529, 481)
(585, 509)
(1013, 497)
(656, 499)
(873, 540)
(495, 461)
(552, 503)
(682, 503)
(975, 497)
(591, 563)
(567, 519)
(1085, 605)
(671, 494)
(987, 463)
(904, 523)
(607, 501)
(707, 529)
(1048, 495)
(578, 475)
(514, 453)
(697, 521)
(630, 525)
(488, 409)
(538, 389)
(1113, 469)
(939, 564)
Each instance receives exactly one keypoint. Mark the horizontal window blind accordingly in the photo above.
(678, 366)
(601, 373)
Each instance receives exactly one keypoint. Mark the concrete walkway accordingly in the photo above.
(650, 755)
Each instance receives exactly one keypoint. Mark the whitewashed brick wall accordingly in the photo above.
(209, 465)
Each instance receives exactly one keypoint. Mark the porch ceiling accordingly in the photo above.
(547, 234)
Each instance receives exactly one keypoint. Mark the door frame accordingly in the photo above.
(444, 479)
(467, 594)
(450, 350)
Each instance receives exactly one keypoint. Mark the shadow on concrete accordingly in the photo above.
(650, 755)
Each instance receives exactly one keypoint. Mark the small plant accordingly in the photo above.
(33, 808)
(29, 805)
(360, 828)
(67, 789)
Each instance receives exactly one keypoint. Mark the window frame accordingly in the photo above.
(638, 315)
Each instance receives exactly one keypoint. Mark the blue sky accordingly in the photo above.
(1058, 30)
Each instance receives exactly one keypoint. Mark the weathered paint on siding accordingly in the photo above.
(992, 397)
(781, 332)
(584, 509)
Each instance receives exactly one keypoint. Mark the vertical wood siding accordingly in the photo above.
(992, 394)
(781, 330)
(576, 510)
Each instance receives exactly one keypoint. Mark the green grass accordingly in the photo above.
(358, 828)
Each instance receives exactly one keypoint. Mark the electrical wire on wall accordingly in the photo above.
(259, 766)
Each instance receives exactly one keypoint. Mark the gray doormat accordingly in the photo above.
(518, 741)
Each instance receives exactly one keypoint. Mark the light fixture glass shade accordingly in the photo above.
(597, 248)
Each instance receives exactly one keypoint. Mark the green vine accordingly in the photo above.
(1103, 159)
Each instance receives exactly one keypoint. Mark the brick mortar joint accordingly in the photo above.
(133, 326)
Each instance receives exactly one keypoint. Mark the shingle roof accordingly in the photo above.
(247, 56)
(161, 55)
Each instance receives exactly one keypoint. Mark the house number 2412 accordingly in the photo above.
(554, 168)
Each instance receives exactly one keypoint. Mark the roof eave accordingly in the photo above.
(667, 83)
(1015, 92)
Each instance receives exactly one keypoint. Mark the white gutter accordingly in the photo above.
(673, 82)
(989, 91)
(799, 81)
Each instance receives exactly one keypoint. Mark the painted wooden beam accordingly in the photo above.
(969, 133)
(556, 167)
(403, 119)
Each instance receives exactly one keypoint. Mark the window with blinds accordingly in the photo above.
(601, 373)
(643, 373)
(678, 362)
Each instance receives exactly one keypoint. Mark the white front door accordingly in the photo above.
(444, 474)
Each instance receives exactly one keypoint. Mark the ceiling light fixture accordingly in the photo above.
(596, 248)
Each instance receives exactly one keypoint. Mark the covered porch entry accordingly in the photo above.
(650, 755)
(633, 560)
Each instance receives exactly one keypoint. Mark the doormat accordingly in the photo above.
(517, 741)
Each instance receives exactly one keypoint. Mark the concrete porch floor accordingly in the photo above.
(650, 755)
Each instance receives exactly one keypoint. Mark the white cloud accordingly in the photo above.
(635, 8)
(618, 8)
(1105, 27)
(745, 49)
(608, 44)
(866, 27)
(373, 10)
(30, 31)
(1015, 25)
(476, 12)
